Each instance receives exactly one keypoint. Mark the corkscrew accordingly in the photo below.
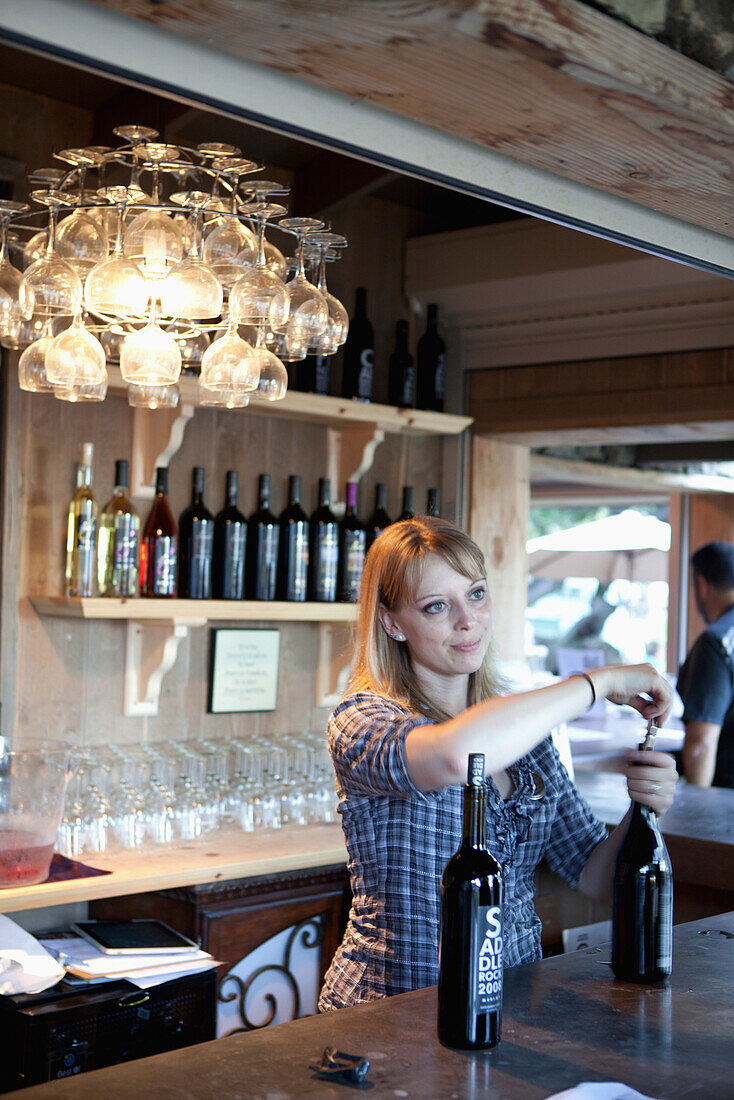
(652, 732)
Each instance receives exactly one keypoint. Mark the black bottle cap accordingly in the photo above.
(232, 479)
(121, 468)
(161, 479)
(475, 773)
(380, 495)
(294, 488)
(432, 314)
(197, 479)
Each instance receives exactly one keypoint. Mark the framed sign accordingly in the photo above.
(243, 670)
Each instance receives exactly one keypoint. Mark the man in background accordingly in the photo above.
(706, 678)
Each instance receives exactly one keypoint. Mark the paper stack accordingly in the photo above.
(84, 960)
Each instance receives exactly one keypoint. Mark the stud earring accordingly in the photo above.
(399, 637)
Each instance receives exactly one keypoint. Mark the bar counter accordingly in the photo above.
(566, 1020)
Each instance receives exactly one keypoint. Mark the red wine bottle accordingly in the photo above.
(159, 549)
(195, 544)
(642, 906)
(293, 559)
(470, 958)
(324, 548)
(352, 548)
(402, 370)
(262, 547)
(230, 544)
(431, 372)
(407, 510)
(357, 374)
(433, 502)
(379, 519)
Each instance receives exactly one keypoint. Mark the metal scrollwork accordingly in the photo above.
(310, 933)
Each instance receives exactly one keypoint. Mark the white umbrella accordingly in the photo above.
(627, 546)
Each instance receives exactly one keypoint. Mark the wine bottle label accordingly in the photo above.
(364, 380)
(267, 562)
(202, 539)
(164, 566)
(234, 558)
(297, 579)
(125, 543)
(440, 376)
(327, 558)
(665, 925)
(409, 386)
(85, 533)
(353, 549)
(486, 963)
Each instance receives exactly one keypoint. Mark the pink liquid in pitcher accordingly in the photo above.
(23, 861)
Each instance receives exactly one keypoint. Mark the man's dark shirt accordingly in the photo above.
(706, 686)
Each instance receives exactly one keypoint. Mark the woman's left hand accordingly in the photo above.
(651, 778)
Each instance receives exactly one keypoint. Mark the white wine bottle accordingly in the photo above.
(81, 530)
(119, 541)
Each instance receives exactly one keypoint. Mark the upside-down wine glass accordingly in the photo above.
(76, 357)
(264, 191)
(334, 335)
(191, 289)
(81, 240)
(273, 378)
(150, 356)
(117, 287)
(50, 286)
(308, 313)
(152, 239)
(231, 246)
(32, 362)
(229, 363)
(259, 297)
(10, 279)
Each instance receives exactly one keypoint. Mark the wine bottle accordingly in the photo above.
(195, 544)
(313, 374)
(81, 530)
(470, 957)
(402, 370)
(433, 502)
(359, 353)
(431, 372)
(230, 542)
(323, 549)
(159, 548)
(119, 540)
(642, 906)
(293, 559)
(261, 569)
(352, 548)
(379, 519)
(407, 510)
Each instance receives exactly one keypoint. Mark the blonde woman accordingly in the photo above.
(425, 693)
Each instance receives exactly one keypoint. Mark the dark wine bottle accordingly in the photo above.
(407, 510)
(359, 353)
(230, 543)
(433, 502)
(470, 958)
(313, 374)
(431, 367)
(324, 548)
(352, 549)
(159, 549)
(379, 519)
(262, 547)
(293, 558)
(195, 543)
(642, 906)
(402, 370)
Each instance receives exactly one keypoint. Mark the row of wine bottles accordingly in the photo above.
(413, 382)
(229, 557)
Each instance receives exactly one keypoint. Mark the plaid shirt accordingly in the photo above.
(399, 840)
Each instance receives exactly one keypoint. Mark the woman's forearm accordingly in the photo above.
(507, 727)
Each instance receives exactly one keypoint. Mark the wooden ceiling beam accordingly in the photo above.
(553, 84)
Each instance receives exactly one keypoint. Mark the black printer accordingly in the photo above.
(76, 1026)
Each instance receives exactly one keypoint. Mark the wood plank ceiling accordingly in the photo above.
(555, 84)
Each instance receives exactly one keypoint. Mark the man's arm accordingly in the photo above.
(699, 752)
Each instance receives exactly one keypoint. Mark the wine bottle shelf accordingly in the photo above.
(193, 611)
(336, 412)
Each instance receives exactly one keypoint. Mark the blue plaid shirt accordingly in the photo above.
(399, 840)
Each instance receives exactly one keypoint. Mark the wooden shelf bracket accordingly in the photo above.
(151, 650)
(350, 454)
(334, 662)
(157, 436)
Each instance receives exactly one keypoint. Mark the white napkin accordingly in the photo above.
(25, 966)
(599, 1090)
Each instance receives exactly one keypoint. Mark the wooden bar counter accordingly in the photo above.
(566, 1020)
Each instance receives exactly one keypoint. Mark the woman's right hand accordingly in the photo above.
(630, 684)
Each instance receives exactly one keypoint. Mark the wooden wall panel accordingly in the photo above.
(711, 519)
(500, 501)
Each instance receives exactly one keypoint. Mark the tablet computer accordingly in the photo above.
(134, 937)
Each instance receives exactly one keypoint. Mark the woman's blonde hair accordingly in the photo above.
(391, 576)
